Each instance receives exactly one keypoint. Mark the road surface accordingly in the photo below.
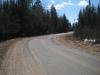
(45, 55)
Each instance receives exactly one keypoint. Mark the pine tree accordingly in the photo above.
(25, 18)
(88, 23)
(98, 22)
(53, 19)
(66, 24)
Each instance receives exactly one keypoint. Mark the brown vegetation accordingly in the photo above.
(71, 41)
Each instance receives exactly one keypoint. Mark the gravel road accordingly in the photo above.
(45, 55)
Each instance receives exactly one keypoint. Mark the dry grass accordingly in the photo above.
(71, 41)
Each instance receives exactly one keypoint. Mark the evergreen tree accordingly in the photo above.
(53, 19)
(66, 24)
(98, 22)
(25, 18)
(98, 17)
(88, 23)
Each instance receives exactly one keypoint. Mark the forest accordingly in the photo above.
(21, 18)
(88, 25)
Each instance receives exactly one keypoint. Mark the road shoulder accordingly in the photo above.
(70, 41)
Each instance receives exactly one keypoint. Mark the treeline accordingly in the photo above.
(29, 18)
(88, 25)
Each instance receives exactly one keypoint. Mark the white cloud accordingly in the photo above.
(61, 5)
(75, 20)
(83, 3)
(52, 2)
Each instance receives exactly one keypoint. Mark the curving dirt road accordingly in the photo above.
(45, 55)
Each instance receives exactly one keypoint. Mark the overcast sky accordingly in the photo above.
(70, 7)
